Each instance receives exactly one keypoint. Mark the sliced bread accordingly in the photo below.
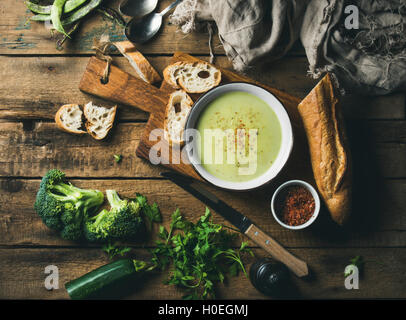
(177, 112)
(99, 120)
(197, 77)
(69, 118)
(140, 64)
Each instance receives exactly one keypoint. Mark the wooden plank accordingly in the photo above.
(378, 131)
(44, 146)
(50, 83)
(30, 149)
(22, 275)
(378, 215)
(53, 81)
(17, 37)
(388, 107)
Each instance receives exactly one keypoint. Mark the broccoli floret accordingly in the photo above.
(63, 207)
(123, 221)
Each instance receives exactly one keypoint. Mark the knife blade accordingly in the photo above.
(245, 225)
(240, 221)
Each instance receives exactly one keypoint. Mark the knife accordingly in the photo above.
(240, 221)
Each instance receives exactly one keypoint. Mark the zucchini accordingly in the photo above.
(101, 281)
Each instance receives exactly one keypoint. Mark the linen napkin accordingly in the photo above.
(368, 60)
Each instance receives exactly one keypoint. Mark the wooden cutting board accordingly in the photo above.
(124, 88)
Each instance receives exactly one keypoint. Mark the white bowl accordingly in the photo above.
(282, 115)
(316, 200)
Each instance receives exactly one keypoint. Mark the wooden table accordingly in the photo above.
(36, 79)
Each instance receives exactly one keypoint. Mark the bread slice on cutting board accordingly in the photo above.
(177, 112)
(330, 157)
(69, 118)
(140, 64)
(99, 120)
(192, 77)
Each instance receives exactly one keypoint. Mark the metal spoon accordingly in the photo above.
(143, 30)
(137, 8)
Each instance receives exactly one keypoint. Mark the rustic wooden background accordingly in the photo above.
(36, 79)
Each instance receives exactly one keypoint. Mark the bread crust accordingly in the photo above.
(169, 106)
(140, 64)
(330, 157)
(88, 124)
(168, 74)
(61, 125)
(171, 79)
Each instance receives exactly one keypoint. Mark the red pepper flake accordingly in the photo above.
(295, 205)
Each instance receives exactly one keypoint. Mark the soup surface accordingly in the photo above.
(240, 137)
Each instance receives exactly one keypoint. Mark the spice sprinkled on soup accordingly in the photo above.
(240, 137)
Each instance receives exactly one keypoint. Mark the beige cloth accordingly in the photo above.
(371, 60)
(251, 31)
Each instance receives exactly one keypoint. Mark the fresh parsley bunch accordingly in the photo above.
(151, 212)
(113, 249)
(201, 255)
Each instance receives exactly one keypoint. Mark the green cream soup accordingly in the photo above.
(244, 137)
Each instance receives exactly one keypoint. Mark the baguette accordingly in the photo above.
(69, 118)
(197, 77)
(177, 112)
(99, 120)
(323, 123)
(140, 64)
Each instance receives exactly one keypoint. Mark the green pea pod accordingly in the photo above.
(70, 6)
(41, 17)
(73, 17)
(36, 8)
(82, 12)
(56, 13)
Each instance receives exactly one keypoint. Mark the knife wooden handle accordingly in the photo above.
(296, 265)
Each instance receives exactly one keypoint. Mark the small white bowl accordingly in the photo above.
(312, 191)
